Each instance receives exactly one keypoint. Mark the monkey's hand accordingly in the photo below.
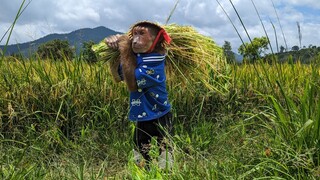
(113, 41)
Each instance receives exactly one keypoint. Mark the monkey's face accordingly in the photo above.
(142, 39)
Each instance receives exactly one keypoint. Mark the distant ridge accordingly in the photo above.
(75, 38)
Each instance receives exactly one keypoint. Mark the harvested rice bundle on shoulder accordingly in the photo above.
(191, 55)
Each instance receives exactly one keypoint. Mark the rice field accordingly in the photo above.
(68, 120)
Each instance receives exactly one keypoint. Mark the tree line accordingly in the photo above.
(257, 49)
(58, 49)
(61, 49)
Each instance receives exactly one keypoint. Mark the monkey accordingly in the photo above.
(141, 66)
(140, 39)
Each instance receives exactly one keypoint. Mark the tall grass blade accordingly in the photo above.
(244, 27)
(275, 35)
(20, 11)
(234, 27)
(317, 125)
(265, 73)
(172, 11)
(286, 100)
(283, 122)
(264, 29)
(284, 38)
(19, 14)
(303, 130)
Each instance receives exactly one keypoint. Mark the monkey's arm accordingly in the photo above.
(114, 65)
(128, 62)
(116, 70)
(123, 67)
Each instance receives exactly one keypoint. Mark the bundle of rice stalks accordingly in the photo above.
(191, 56)
(104, 53)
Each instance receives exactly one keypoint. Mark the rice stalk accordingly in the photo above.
(284, 38)
(20, 11)
(244, 27)
(172, 11)
(275, 34)
(234, 27)
(104, 53)
(264, 29)
(190, 58)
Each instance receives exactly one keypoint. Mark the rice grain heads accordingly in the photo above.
(191, 58)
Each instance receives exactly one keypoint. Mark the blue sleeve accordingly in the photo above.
(148, 75)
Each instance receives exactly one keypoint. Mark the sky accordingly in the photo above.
(43, 17)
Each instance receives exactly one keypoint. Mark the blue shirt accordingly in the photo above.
(150, 101)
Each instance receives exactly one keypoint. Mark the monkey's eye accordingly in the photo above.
(135, 32)
(141, 32)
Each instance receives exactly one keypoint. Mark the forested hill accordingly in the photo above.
(75, 38)
(304, 55)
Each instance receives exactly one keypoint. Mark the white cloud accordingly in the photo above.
(78, 15)
(308, 3)
(44, 17)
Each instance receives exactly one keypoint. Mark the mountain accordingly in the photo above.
(75, 38)
(238, 57)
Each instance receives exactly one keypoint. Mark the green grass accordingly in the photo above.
(68, 120)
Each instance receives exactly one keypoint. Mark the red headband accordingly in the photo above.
(165, 36)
